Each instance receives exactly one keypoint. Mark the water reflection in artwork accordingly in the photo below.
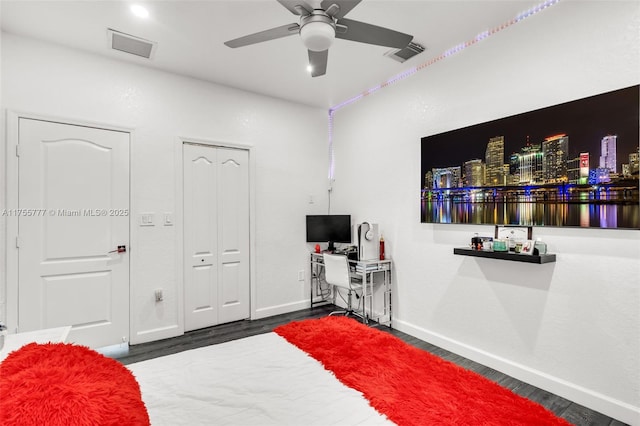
(586, 207)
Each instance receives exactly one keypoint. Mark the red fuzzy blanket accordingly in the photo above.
(63, 384)
(410, 386)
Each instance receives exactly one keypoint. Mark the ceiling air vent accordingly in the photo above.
(408, 52)
(131, 44)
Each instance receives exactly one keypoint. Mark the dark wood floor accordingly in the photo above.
(572, 412)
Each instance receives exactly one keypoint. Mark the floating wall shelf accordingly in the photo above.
(543, 258)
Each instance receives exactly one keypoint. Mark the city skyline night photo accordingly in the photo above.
(586, 121)
(571, 164)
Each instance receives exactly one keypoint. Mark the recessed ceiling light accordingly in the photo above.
(139, 11)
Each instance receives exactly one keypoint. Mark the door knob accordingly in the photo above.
(120, 249)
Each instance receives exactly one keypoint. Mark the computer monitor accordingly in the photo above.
(335, 228)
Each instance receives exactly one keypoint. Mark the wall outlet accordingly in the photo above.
(159, 295)
(300, 275)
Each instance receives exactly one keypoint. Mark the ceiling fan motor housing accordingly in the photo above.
(317, 31)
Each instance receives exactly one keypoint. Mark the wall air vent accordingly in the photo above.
(130, 44)
(408, 52)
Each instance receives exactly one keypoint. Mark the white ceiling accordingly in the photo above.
(190, 36)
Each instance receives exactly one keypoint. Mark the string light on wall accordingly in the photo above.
(447, 53)
(331, 153)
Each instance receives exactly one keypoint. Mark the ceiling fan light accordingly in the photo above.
(317, 36)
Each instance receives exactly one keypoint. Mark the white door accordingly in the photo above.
(73, 193)
(233, 234)
(216, 235)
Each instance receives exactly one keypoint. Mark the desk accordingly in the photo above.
(374, 307)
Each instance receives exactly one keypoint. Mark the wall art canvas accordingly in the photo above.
(572, 164)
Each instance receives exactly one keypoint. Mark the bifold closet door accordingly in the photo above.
(216, 235)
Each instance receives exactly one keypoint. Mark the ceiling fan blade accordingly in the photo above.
(266, 35)
(297, 7)
(344, 6)
(371, 34)
(318, 62)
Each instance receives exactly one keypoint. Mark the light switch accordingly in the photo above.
(168, 219)
(146, 219)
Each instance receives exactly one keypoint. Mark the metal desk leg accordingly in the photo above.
(367, 280)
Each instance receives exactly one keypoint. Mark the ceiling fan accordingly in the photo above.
(318, 28)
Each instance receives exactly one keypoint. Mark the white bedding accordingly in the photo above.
(259, 380)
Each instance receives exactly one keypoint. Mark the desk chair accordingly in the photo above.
(337, 273)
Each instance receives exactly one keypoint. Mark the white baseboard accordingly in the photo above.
(604, 404)
(156, 334)
(280, 309)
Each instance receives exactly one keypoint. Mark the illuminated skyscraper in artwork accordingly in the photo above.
(513, 177)
(584, 167)
(494, 160)
(447, 177)
(608, 153)
(530, 164)
(473, 173)
(573, 170)
(555, 154)
(428, 180)
(634, 163)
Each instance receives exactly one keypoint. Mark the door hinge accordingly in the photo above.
(17, 242)
(17, 150)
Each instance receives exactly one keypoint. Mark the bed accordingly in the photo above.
(327, 371)
(259, 380)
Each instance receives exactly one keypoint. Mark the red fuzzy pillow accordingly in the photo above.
(65, 384)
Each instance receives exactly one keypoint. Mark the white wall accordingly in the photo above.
(289, 148)
(571, 327)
